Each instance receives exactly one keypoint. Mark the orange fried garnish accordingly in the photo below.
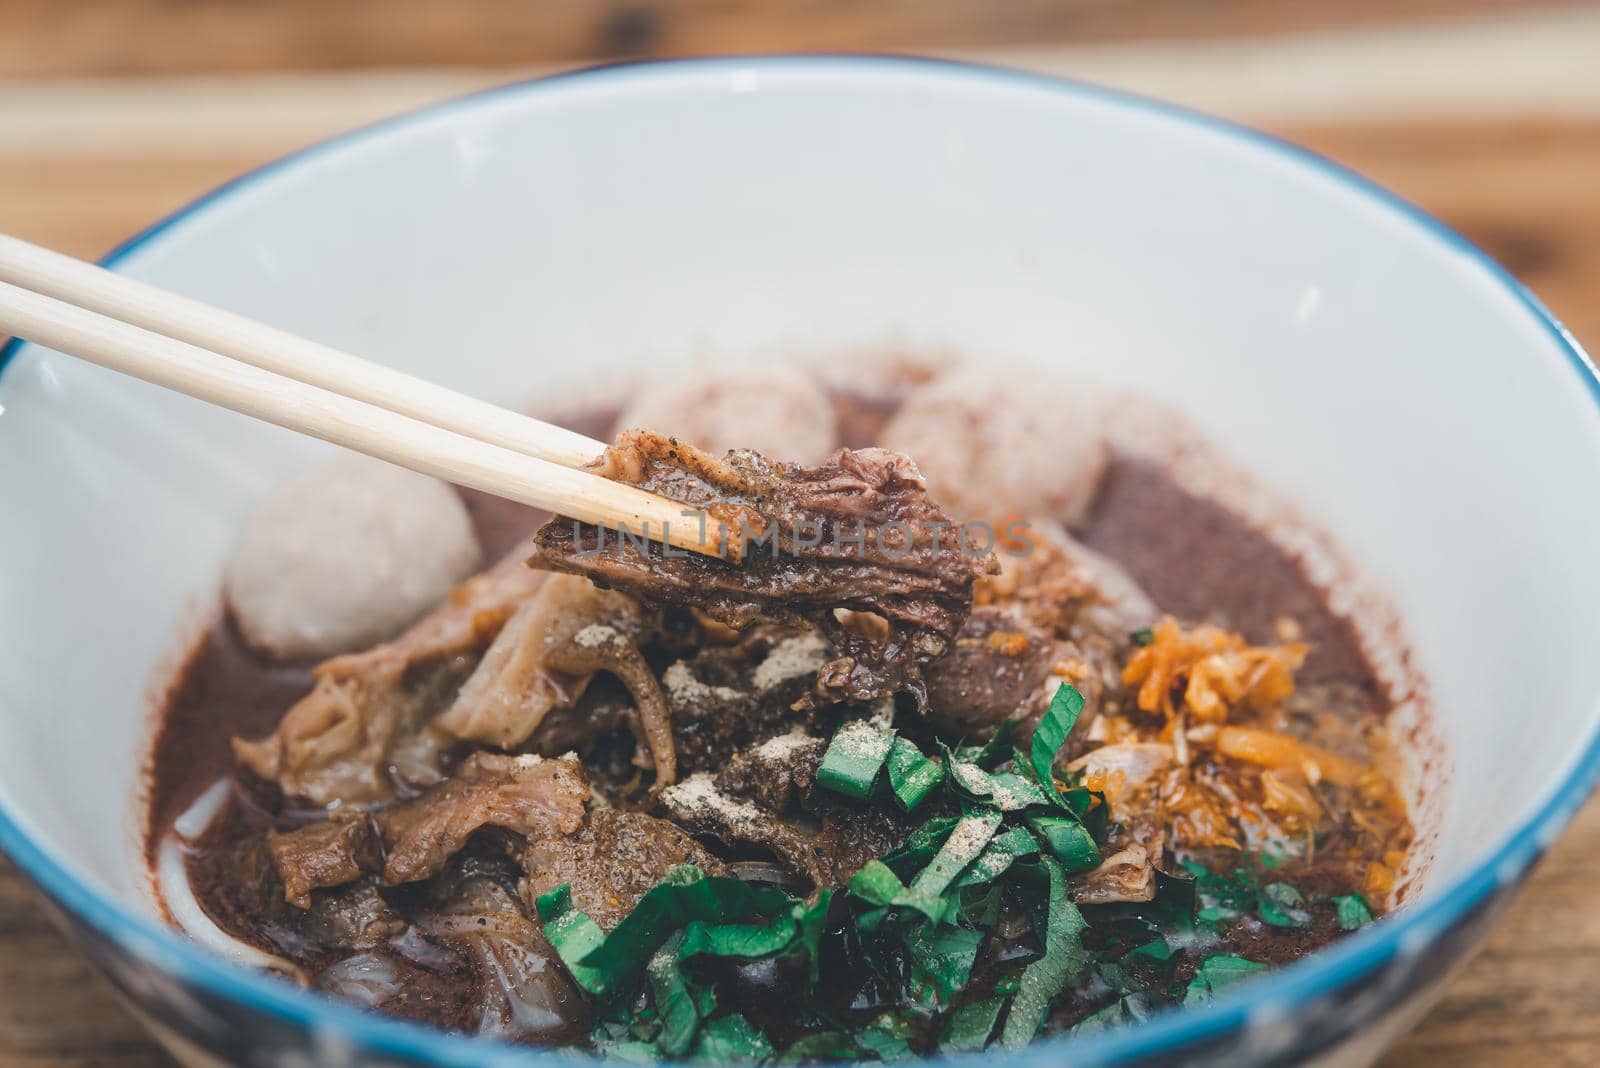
(1289, 794)
(1270, 749)
(1208, 671)
(1199, 815)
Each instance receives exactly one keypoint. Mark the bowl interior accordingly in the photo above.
(1373, 373)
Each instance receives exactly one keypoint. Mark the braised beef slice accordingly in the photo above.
(857, 533)
(330, 853)
(773, 775)
(251, 899)
(609, 863)
(998, 669)
(725, 698)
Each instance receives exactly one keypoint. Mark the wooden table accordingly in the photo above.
(1522, 180)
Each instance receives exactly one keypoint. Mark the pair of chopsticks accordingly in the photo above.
(261, 371)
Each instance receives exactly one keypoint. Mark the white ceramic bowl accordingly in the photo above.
(1366, 362)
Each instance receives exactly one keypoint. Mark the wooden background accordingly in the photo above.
(1486, 112)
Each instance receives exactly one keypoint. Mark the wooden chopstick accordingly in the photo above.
(131, 301)
(355, 424)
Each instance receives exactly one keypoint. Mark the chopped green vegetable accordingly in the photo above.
(1004, 790)
(968, 840)
(798, 927)
(824, 1046)
(603, 963)
(1282, 905)
(1217, 973)
(1142, 638)
(917, 918)
(1052, 733)
(1154, 950)
(573, 934)
(1225, 898)
(877, 884)
(1067, 839)
(941, 959)
(684, 895)
(1064, 959)
(731, 1038)
(854, 756)
(912, 776)
(1002, 851)
(970, 1025)
(1090, 807)
(1353, 911)
(921, 846)
(679, 1007)
(889, 1036)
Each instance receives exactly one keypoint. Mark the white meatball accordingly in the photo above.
(345, 555)
(774, 410)
(992, 445)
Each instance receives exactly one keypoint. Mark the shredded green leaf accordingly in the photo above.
(941, 959)
(921, 846)
(1064, 959)
(1004, 790)
(1002, 851)
(917, 918)
(877, 884)
(731, 1038)
(970, 1025)
(968, 840)
(1051, 734)
(679, 1007)
(1282, 905)
(889, 1036)
(574, 936)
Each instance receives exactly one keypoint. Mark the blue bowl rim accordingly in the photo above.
(1406, 932)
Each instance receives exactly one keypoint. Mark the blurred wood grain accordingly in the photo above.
(74, 37)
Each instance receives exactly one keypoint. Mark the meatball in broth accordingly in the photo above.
(992, 446)
(778, 412)
(347, 554)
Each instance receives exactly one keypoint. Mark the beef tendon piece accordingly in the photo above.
(545, 658)
(368, 711)
(515, 685)
(527, 795)
(321, 855)
(854, 546)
